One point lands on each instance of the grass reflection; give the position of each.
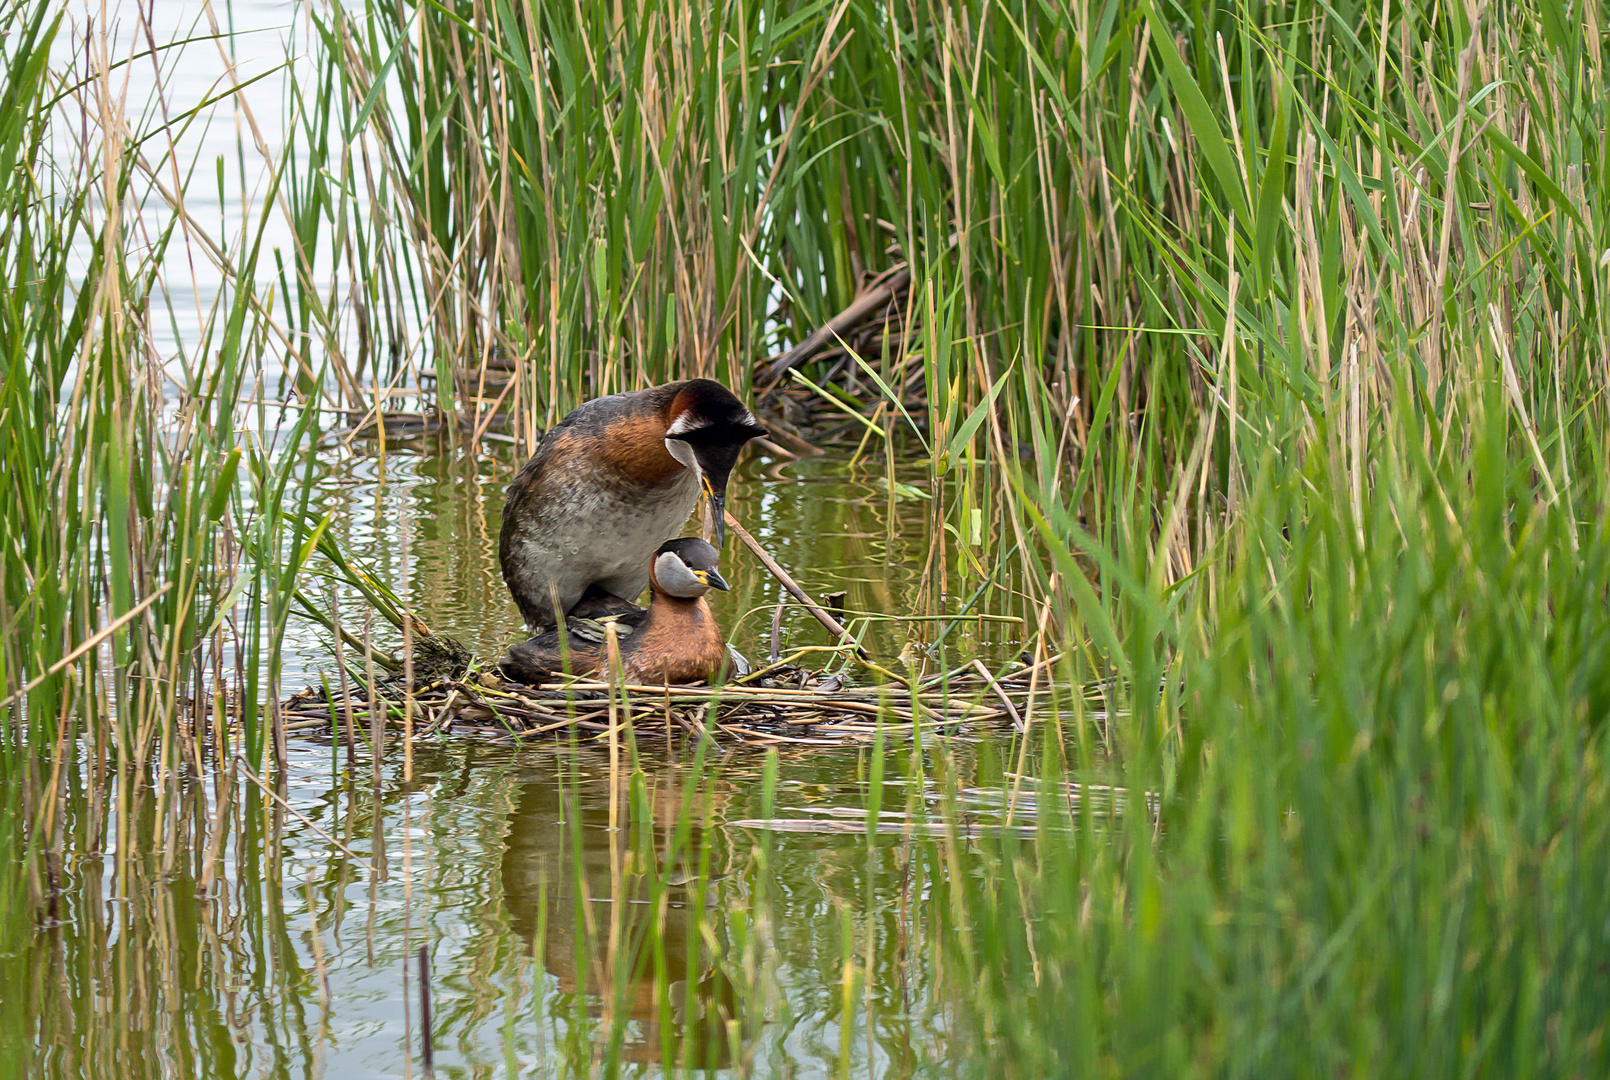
(580, 920)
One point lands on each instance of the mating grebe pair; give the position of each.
(592, 518)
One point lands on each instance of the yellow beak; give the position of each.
(712, 579)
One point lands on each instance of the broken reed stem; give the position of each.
(1017, 721)
(787, 582)
(427, 1049)
(240, 763)
(94, 639)
(877, 296)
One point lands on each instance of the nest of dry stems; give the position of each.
(784, 703)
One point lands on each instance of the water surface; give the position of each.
(580, 912)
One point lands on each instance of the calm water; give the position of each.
(504, 864)
(577, 911)
(526, 873)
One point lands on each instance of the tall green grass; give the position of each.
(1381, 846)
(146, 569)
(1258, 354)
(130, 500)
(1147, 242)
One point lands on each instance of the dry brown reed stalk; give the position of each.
(787, 581)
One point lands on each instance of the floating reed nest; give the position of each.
(440, 690)
(782, 703)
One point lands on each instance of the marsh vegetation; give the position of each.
(1241, 366)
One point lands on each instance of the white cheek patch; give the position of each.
(676, 579)
(683, 453)
(665, 571)
(684, 424)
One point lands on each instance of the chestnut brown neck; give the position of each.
(675, 606)
(635, 449)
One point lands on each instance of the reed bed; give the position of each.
(1256, 354)
(147, 558)
(1091, 263)
(146, 550)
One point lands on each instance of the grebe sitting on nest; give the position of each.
(676, 641)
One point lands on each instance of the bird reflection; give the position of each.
(602, 922)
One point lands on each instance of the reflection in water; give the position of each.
(145, 963)
(608, 898)
(580, 922)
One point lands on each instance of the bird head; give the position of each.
(686, 568)
(708, 427)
